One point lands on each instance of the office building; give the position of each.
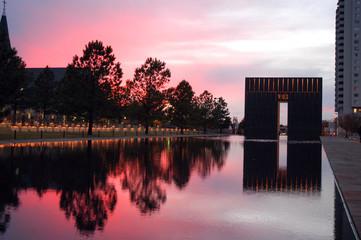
(348, 57)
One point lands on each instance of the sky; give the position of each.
(213, 44)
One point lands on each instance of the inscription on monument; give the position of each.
(282, 97)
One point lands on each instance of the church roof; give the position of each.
(59, 73)
(4, 31)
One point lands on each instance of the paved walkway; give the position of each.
(345, 160)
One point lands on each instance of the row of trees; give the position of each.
(351, 123)
(92, 89)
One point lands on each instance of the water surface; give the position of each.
(167, 188)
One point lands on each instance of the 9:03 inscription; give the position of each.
(282, 97)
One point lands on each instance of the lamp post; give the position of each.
(335, 120)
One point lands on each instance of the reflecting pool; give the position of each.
(168, 188)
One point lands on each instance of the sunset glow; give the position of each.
(214, 44)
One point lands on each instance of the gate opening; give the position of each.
(282, 134)
(282, 118)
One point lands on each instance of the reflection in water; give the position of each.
(148, 164)
(262, 171)
(8, 194)
(79, 172)
(343, 229)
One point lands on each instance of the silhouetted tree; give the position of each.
(12, 77)
(148, 91)
(181, 104)
(204, 107)
(220, 114)
(90, 83)
(43, 92)
(241, 128)
(350, 122)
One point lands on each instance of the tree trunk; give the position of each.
(14, 115)
(146, 128)
(90, 128)
(44, 112)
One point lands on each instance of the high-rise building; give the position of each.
(348, 57)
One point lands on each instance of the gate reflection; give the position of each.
(262, 172)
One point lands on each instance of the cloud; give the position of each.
(213, 44)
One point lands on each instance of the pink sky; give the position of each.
(213, 44)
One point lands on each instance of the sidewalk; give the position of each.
(344, 156)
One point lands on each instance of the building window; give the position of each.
(357, 21)
(356, 42)
(357, 35)
(355, 74)
(357, 9)
(356, 48)
(356, 68)
(356, 102)
(355, 95)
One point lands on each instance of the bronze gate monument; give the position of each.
(262, 100)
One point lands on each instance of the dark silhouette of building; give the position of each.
(59, 73)
(304, 98)
(4, 31)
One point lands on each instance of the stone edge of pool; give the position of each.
(344, 156)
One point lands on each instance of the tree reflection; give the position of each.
(77, 172)
(8, 193)
(148, 164)
(141, 174)
(80, 172)
(85, 193)
(89, 209)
